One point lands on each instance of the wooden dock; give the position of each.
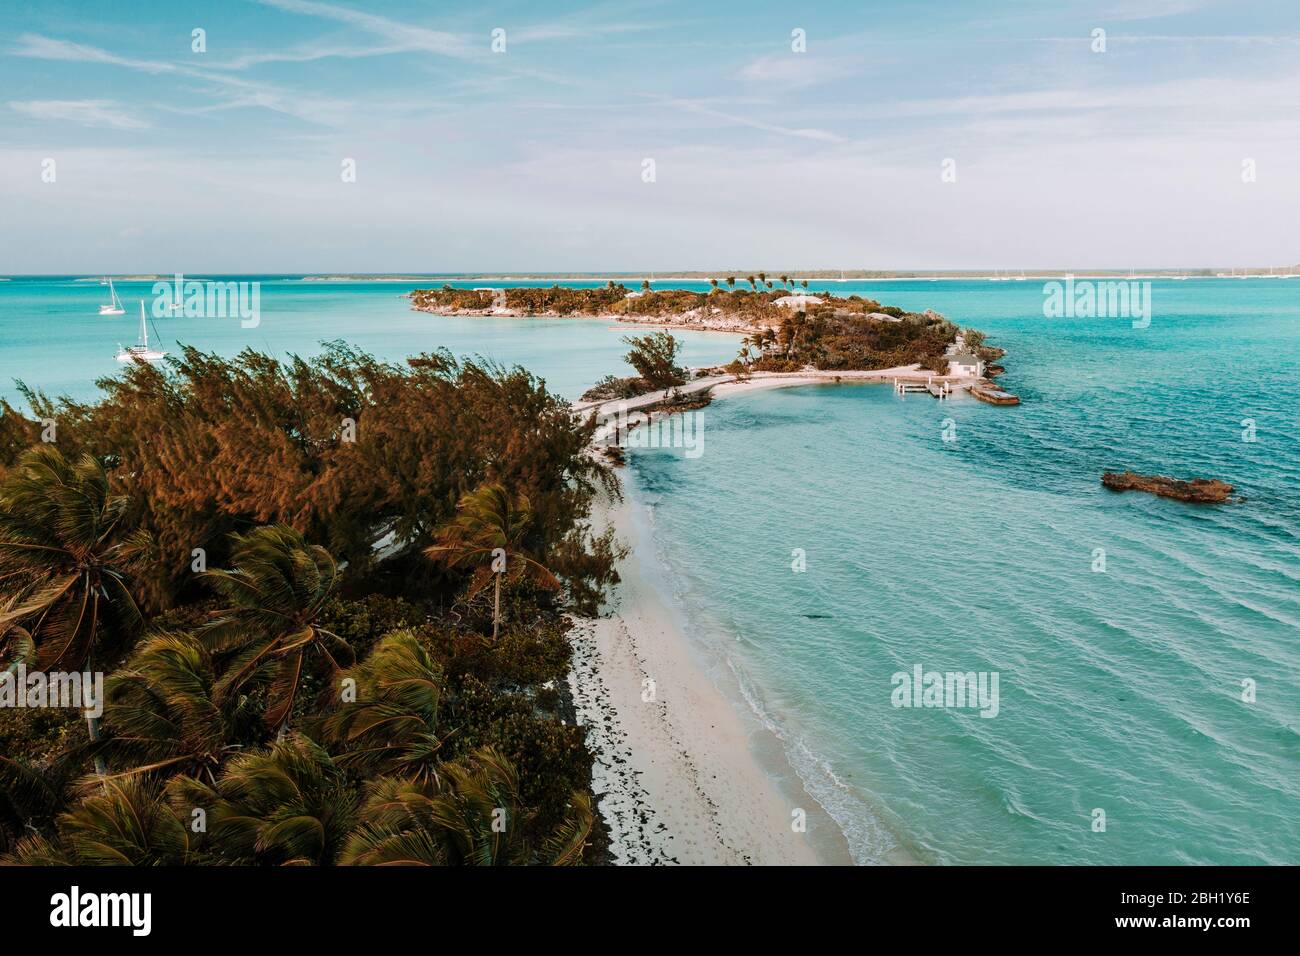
(940, 390)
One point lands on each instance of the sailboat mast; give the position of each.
(144, 329)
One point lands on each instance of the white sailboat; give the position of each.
(140, 352)
(114, 306)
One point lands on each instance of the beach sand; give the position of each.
(677, 766)
(690, 775)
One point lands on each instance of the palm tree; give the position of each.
(274, 599)
(392, 725)
(466, 815)
(762, 277)
(752, 284)
(731, 282)
(785, 280)
(714, 284)
(64, 557)
(31, 796)
(488, 535)
(786, 336)
(804, 283)
(290, 804)
(62, 551)
(16, 643)
(161, 710)
(645, 285)
(120, 823)
(754, 341)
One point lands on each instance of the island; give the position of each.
(785, 331)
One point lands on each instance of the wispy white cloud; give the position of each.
(1152, 9)
(795, 71)
(306, 54)
(405, 36)
(1227, 39)
(39, 47)
(740, 119)
(235, 91)
(101, 113)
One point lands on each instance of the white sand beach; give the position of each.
(675, 768)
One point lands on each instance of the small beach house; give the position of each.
(965, 365)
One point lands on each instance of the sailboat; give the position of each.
(114, 307)
(140, 352)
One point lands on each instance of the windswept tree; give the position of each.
(645, 285)
(468, 814)
(64, 559)
(273, 598)
(804, 283)
(161, 711)
(785, 280)
(32, 794)
(731, 282)
(654, 356)
(753, 284)
(490, 537)
(392, 724)
(64, 556)
(762, 277)
(289, 805)
(122, 822)
(714, 284)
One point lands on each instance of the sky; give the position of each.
(637, 136)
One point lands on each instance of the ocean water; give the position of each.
(1120, 690)
(52, 338)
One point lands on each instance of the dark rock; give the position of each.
(1201, 490)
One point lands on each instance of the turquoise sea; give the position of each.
(1120, 690)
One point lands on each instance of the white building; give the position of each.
(797, 301)
(965, 365)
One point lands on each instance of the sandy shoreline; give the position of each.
(675, 769)
(690, 776)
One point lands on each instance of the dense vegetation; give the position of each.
(819, 330)
(834, 341)
(330, 597)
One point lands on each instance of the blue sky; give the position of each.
(466, 159)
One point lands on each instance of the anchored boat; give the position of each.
(114, 307)
(141, 351)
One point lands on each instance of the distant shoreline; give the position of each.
(819, 275)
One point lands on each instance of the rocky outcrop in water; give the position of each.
(1200, 490)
